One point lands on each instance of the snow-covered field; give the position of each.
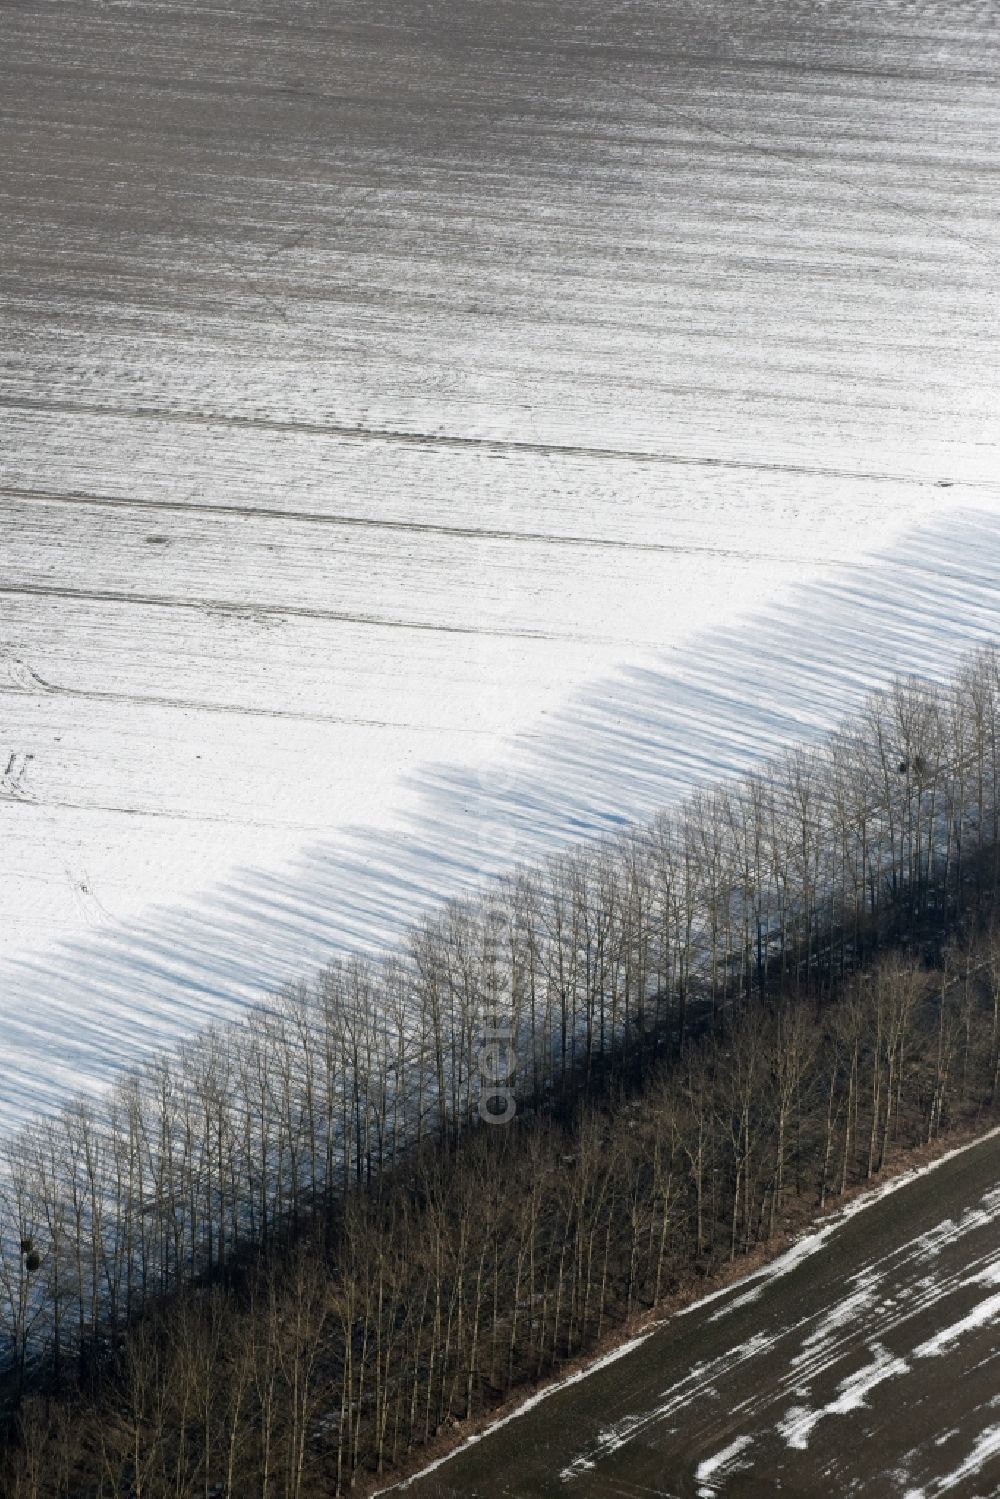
(431, 432)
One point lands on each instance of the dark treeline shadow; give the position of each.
(436, 1291)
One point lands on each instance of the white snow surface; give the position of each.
(712, 1468)
(393, 489)
(982, 1315)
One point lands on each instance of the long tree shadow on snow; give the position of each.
(617, 752)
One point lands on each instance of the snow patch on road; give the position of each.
(839, 1317)
(987, 1447)
(713, 1469)
(942, 1342)
(799, 1422)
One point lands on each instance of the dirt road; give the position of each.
(870, 1367)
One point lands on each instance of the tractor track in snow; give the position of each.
(50, 804)
(29, 683)
(252, 611)
(499, 446)
(368, 523)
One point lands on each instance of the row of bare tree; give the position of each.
(595, 967)
(470, 1273)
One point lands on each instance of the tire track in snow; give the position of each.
(497, 445)
(240, 820)
(24, 681)
(284, 611)
(12, 787)
(368, 523)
